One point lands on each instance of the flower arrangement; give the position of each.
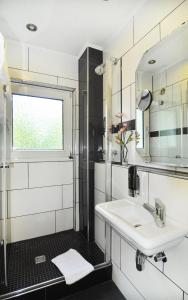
(124, 136)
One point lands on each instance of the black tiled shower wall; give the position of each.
(91, 133)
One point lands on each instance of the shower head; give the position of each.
(100, 69)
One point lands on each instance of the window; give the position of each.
(41, 121)
(37, 123)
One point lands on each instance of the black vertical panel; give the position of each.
(91, 103)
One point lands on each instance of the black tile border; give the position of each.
(169, 132)
(131, 125)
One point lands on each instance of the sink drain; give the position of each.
(137, 225)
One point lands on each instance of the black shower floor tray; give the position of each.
(22, 270)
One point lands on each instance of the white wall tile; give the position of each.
(76, 141)
(1, 207)
(100, 177)
(77, 190)
(76, 117)
(116, 77)
(176, 267)
(99, 232)
(67, 196)
(131, 59)
(77, 217)
(27, 227)
(60, 64)
(31, 76)
(77, 166)
(173, 193)
(123, 42)
(185, 297)
(133, 101)
(65, 82)
(116, 107)
(155, 146)
(17, 55)
(155, 121)
(159, 80)
(99, 197)
(174, 146)
(17, 176)
(116, 243)
(177, 73)
(119, 182)
(126, 103)
(32, 201)
(50, 173)
(163, 146)
(64, 219)
(125, 286)
(143, 196)
(175, 19)
(184, 91)
(176, 94)
(150, 282)
(152, 11)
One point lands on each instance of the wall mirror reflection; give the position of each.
(162, 101)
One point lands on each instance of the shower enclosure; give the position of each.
(25, 261)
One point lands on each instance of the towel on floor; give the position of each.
(72, 265)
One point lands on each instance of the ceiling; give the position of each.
(65, 25)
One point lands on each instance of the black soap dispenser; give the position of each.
(133, 181)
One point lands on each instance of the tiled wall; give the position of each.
(40, 194)
(151, 23)
(39, 199)
(155, 20)
(158, 281)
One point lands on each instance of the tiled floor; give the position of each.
(103, 291)
(22, 270)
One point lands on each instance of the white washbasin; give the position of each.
(137, 225)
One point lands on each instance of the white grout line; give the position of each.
(40, 213)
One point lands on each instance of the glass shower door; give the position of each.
(4, 165)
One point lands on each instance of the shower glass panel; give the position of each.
(5, 134)
(108, 145)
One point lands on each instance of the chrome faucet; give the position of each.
(158, 212)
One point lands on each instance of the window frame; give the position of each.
(45, 91)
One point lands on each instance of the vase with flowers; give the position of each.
(123, 136)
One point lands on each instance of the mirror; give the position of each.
(162, 101)
(145, 100)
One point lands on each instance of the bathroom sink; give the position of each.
(137, 225)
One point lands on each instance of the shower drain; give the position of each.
(40, 259)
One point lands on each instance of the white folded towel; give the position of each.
(72, 265)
